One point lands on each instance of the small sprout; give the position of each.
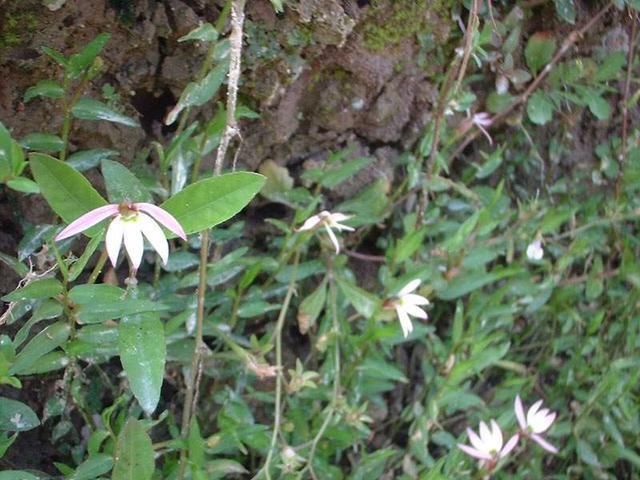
(301, 379)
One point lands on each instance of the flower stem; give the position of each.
(278, 341)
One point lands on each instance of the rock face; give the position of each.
(323, 75)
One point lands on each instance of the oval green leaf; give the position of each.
(214, 200)
(16, 416)
(90, 109)
(143, 352)
(68, 192)
(134, 453)
(51, 337)
(122, 185)
(45, 142)
(45, 288)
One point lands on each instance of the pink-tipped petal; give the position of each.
(519, 409)
(133, 242)
(510, 445)
(543, 443)
(87, 220)
(474, 453)
(113, 239)
(154, 234)
(163, 217)
(409, 287)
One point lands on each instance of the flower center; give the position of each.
(127, 211)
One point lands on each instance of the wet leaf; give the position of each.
(44, 142)
(51, 337)
(45, 288)
(142, 351)
(134, 457)
(44, 88)
(122, 185)
(539, 108)
(16, 416)
(90, 109)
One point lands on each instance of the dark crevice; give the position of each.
(153, 107)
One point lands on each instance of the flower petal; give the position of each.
(542, 423)
(87, 220)
(405, 321)
(531, 413)
(310, 223)
(415, 311)
(474, 453)
(339, 217)
(410, 287)
(339, 226)
(476, 441)
(133, 241)
(163, 217)
(510, 445)
(113, 239)
(519, 409)
(496, 435)
(155, 235)
(543, 443)
(333, 238)
(415, 299)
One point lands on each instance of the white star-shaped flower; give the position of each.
(329, 221)
(489, 445)
(130, 223)
(537, 421)
(407, 305)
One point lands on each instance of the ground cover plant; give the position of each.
(466, 308)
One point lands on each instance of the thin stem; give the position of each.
(98, 268)
(333, 298)
(278, 341)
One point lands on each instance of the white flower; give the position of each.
(129, 225)
(488, 446)
(536, 422)
(328, 221)
(535, 251)
(408, 304)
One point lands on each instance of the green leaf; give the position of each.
(196, 444)
(539, 50)
(539, 108)
(611, 67)
(122, 185)
(134, 453)
(48, 362)
(78, 267)
(222, 468)
(93, 467)
(587, 454)
(24, 185)
(90, 109)
(381, 370)
(92, 294)
(199, 93)
(335, 176)
(18, 475)
(566, 10)
(467, 282)
(68, 193)
(45, 311)
(80, 61)
(51, 337)
(45, 288)
(45, 142)
(203, 33)
(108, 310)
(311, 307)
(142, 351)
(409, 244)
(56, 56)
(598, 106)
(211, 201)
(364, 302)
(6, 145)
(86, 159)
(16, 416)
(44, 88)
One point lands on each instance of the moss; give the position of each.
(16, 25)
(388, 23)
